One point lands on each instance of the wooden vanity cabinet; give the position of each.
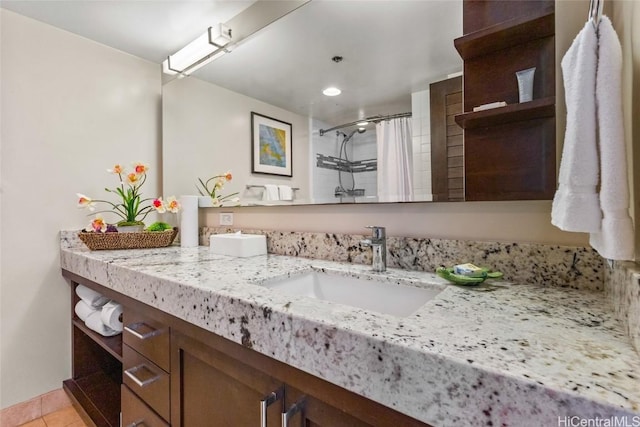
(221, 383)
(195, 378)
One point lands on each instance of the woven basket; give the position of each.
(139, 240)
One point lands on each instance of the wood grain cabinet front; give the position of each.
(136, 414)
(147, 380)
(222, 383)
(148, 337)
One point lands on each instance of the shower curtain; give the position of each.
(395, 160)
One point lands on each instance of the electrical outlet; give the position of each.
(226, 218)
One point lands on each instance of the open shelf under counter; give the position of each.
(536, 109)
(506, 34)
(113, 345)
(98, 395)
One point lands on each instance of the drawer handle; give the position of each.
(132, 329)
(141, 383)
(293, 410)
(136, 424)
(272, 397)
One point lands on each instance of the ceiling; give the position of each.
(390, 48)
(149, 29)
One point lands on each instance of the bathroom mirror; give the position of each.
(383, 55)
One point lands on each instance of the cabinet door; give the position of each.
(136, 413)
(211, 389)
(447, 149)
(310, 411)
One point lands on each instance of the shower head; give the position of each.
(359, 130)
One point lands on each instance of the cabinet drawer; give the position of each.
(147, 380)
(136, 413)
(148, 337)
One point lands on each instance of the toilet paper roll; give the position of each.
(110, 315)
(91, 297)
(84, 310)
(94, 322)
(189, 221)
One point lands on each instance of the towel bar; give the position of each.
(249, 186)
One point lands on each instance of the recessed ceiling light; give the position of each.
(362, 123)
(332, 91)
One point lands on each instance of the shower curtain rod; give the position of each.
(373, 119)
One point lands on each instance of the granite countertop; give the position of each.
(514, 355)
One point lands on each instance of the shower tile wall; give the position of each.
(421, 123)
(365, 147)
(323, 181)
(361, 147)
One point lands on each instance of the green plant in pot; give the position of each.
(130, 206)
(213, 187)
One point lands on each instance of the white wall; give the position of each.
(71, 108)
(207, 131)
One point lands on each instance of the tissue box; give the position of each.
(240, 245)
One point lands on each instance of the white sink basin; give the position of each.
(384, 297)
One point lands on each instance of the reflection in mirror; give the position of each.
(383, 55)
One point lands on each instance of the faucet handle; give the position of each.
(378, 232)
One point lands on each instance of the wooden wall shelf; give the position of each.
(506, 34)
(509, 152)
(536, 109)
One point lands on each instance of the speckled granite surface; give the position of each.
(517, 355)
(622, 286)
(544, 265)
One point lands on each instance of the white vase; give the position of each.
(189, 232)
(130, 228)
(205, 202)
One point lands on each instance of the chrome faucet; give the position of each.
(378, 243)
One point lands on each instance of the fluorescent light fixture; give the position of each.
(362, 123)
(201, 51)
(332, 91)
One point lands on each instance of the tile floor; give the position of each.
(65, 417)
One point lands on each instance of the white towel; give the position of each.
(615, 240)
(285, 192)
(94, 322)
(270, 192)
(576, 206)
(84, 310)
(91, 297)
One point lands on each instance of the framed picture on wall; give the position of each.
(270, 146)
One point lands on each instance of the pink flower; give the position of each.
(85, 202)
(133, 179)
(140, 168)
(172, 205)
(159, 206)
(130, 206)
(117, 169)
(98, 225)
